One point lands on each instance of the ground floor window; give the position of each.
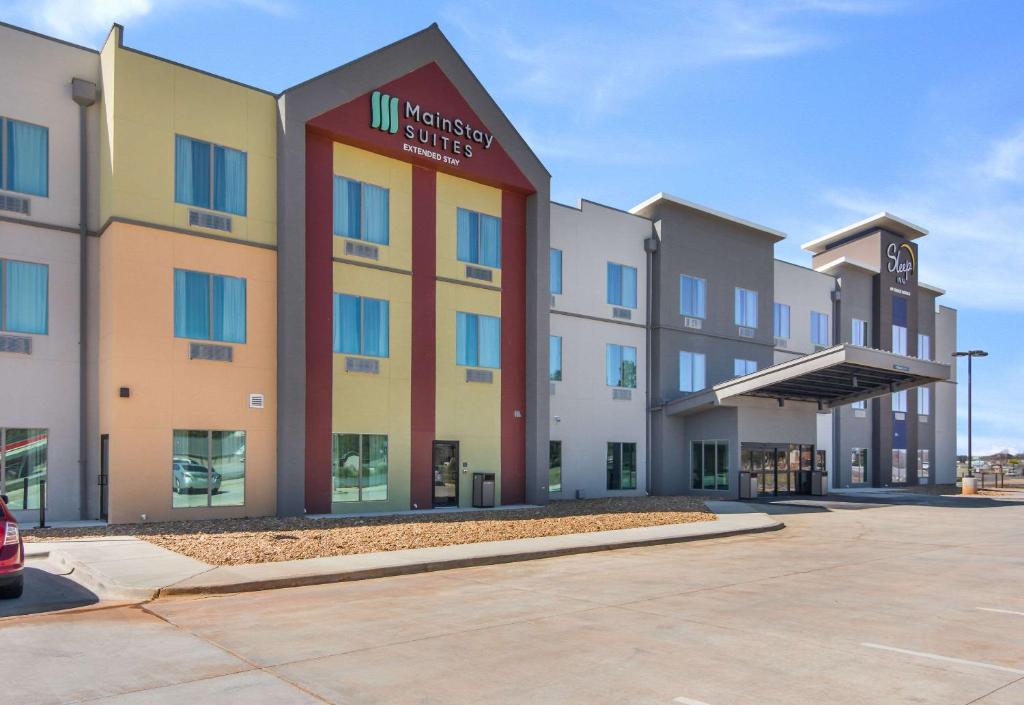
(360, 463)
(924, 465)
(23, 463)
(710, 465)
(555, 467)
(858, 466)
(899, 465)
(208, 469)
(622, 466)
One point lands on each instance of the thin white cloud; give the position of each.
(1006, 159)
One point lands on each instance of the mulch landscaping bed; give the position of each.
(235, 541)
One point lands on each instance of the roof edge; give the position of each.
(882, 219)
(676, 200)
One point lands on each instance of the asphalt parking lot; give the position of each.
(914, 602)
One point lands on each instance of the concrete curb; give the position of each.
(232, 579)
(99, 583)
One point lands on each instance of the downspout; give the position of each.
(84, 93)
(650, 247)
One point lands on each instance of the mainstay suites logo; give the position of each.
(428, 134)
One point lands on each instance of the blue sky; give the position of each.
(803, 115)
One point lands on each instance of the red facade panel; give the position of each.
(513, 348)
(424, 348)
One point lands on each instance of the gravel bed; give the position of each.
(951, 489)
(235, 541)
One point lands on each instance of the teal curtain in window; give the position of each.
(555, 358)
(614, 284)
(490, 341)
(466, 339)
(229, 309)
(25, 297)
(490, 241)
(347, 207)
(191, 172)
(556, 271)
(375, 213)
(347, 324)
(229, 180)
(375, 327)
(613, 365)
(467, 235)
(28, 158)
(629, 287)
(191, 304)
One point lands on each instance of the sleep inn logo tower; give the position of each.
(455, 137)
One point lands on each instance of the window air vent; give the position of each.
(209, 351)
(923, 418)
(745, 332)
(15, 344)
(362, 364)
(478, 273)
(691, 322)
(256, 401)
(900, 416)
(860, 413)
(15, 204)
(623, 394)
(485, 376)
(212, 221)
(553, 387)
(782, 342)
(361, 249)
(624, 313)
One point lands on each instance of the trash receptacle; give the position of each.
(819, 483)
(483, 489)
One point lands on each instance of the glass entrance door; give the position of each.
(446, 473)
(780, 468)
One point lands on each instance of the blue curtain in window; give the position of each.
(614, 284)
(25, 296)
(229, 180)
(490, 341)
(490, 241)
(750, 309)
(555, 266)
(229, 309)
(629, 287)
(191, 304)
(347, 324)
(555, 358)
(347, 207)
(466, 343)
(375, 327)
(191, 172)
(28, 158)
(467, 236)
(613, 365)
(375, 213)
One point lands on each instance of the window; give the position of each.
(555, 467)
(924, 464)
(781, 320)
(743, 367)
(556, 271)
(361, 325)
(209, 175)
(477, 340)
(691, 371)
(692, 296)
(924, 346)
(622, 466)
(899, 340)
(24, 297)
(746, 308)
(899, 465)
(555, 358)
(899, 326)
(858, 465)
(819, 328)
(924, 401)
(621, 285)
(360, 468)
(620, 366)
(361, 211)
(478, 238)
(208, 469)
(859, 334)
(709, 465)
(899, 401)
(861, 405)
(209, 307)
(27, 156)
(23, 465)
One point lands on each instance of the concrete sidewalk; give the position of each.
(126, 568)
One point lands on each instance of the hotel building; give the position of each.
(356, 295)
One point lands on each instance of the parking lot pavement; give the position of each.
(47, 588)
(851, 603)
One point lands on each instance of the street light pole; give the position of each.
(970, 355)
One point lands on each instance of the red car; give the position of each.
(12, 554)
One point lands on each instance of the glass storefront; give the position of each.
(779, 468)
(23, 466)
(208, 469)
